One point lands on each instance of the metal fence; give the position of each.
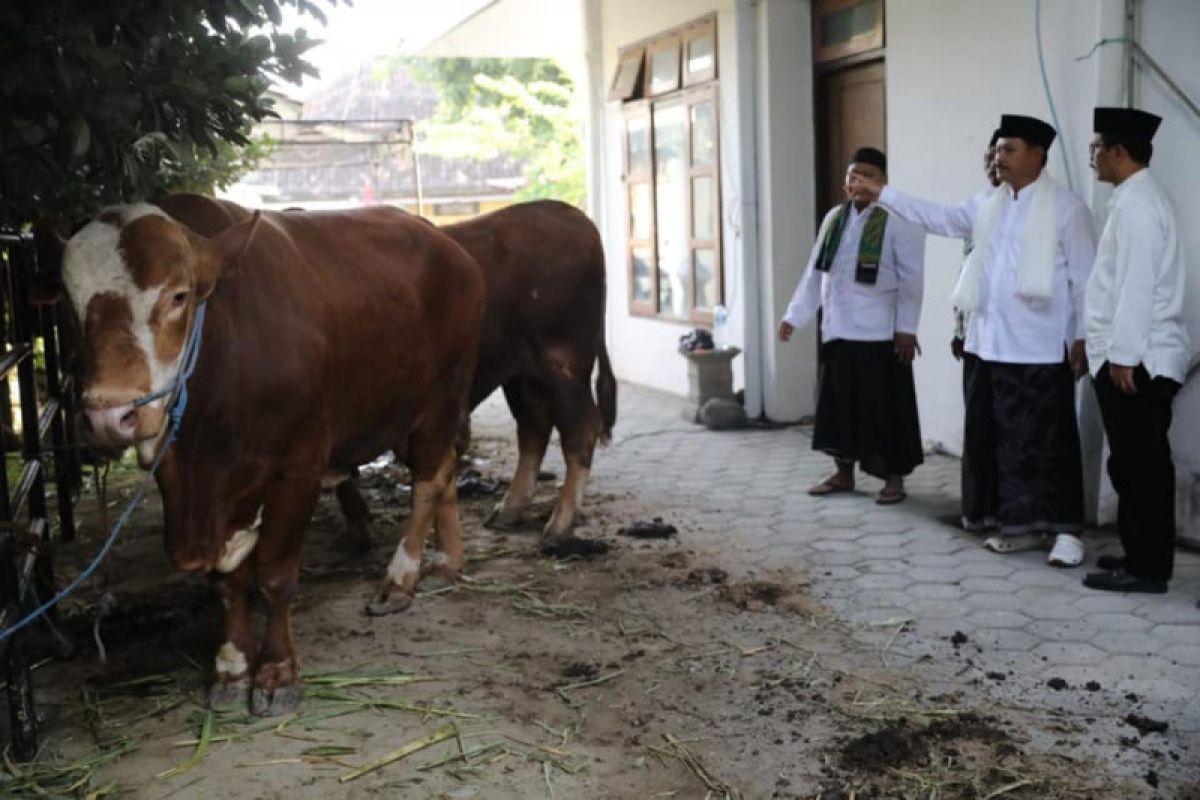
(32, 349)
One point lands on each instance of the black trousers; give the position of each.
(867, 408)
(1021, 470)
(1141, 469)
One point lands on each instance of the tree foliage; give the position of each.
(112, 100)
(520, 107)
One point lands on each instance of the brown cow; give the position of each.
(543, 330)
(338, 336)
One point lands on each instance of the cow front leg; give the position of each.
(447, 560)
(277, 687)
(530, 406)
(231, 679)
(566, 508)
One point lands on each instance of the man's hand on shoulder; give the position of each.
(785, 331)
(907, 347)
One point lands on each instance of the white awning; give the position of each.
(515, 29)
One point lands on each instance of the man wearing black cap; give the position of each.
(1138, 348)
(866, 273)
(1023, 288)
(960, 318)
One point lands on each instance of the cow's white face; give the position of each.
(133, 275)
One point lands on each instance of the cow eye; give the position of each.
(179, 298)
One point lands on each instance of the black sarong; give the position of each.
(1021, 466)
(867, 408)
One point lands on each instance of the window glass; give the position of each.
(707, 291)
(641, 211)
(704, 134)
(674, 294)
(638, 146)
(702, 207)
(839, 27)
(700, 55)
(664, 69)
(643, 275)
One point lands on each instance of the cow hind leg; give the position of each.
(530, 404)
(277, 688)
(356, 539)
(447, 561)
(231, 679)
(432, 475)
(577, 420)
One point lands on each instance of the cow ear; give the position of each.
(222, 252)
(46, 287)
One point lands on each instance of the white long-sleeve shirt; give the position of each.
(1135, 296)
(858, 311)
(1006, 327)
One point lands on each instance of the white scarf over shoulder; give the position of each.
(1039, 245)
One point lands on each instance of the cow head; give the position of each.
(135, 277)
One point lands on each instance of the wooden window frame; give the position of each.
(856, 45)
(640, 307)
(635, 54)
(702, 87)
(692, 32)
(671, 41)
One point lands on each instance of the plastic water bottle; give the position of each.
(720, 328)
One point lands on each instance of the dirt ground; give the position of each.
(656, 670)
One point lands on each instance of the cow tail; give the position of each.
(606, 393)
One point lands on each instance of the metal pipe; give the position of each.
(1141, 54)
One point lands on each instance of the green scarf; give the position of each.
(870, 246)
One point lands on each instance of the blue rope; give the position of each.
(1062, 147)
(175, 416)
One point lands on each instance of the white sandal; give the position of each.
(1068, 551)
(1015, 544)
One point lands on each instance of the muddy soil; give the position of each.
(656, 669)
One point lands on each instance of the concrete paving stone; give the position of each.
(1119, 623)
(986, 585)
(880, 539)
(940, 561)
(1185, 654)
(1056, 605)
(1064, 631)
(934, 591)
(984, 569)
(1077, 653)
(880, 597)
(998, 618)
(836, 523)
(1127, 667)
(992, 601)
(930, 575)
(881, 581)
(1167, 694)
(875, 614)
(1043, 576)
(923, 544)
(1179, 634)
(837, 574)
(896, 526)
(836, 546)
(1100, 602)
(1010, 639)
(935, 609)
(1171, 611)
(836, 558)
(1133, 643)
(885, 567)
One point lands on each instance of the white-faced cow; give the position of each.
(543, 331)
(330, 337)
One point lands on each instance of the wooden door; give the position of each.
(851, 113)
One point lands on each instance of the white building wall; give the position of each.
(643, 350)
(1168, 30)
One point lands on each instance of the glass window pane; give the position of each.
(625, 83)
(670, 191)
(707, 291)
(704, 134)
(700, 54)
(641, 211)
(844, 24)
(638, 145)
(643, 275)
(702, 207)
(664, 70)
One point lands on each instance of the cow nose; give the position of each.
(113, 425)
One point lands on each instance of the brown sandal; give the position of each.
(889, 497)
(827, 486)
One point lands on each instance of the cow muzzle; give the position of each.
(121, 425)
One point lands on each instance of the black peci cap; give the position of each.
(1131, 122)
(869, 155)
(1031, 129)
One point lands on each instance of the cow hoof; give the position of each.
(389, 602)
(227, 694)
(498, 522)
(276, 702)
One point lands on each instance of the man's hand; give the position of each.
(1122, 378)
(907, 347)
(956, 348)
(785, 331)
(1078, 359)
